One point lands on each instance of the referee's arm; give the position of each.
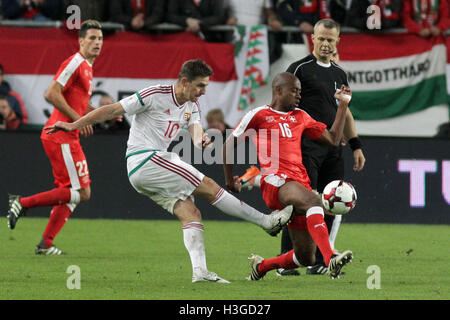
(352, 137)
(349, 128)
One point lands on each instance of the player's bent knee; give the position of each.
(315, 201)
(209, 183)
(187, 212)
(196, 215)
(308, 200)
(301, 204)
(191, 216)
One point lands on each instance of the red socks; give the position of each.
(49, 198)
(285, 261)
(58, 218)
(318, 230)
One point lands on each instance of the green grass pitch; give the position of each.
(131, 259)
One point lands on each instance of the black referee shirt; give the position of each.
(319, 83)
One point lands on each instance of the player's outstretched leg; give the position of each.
(229, 204)
(261, 266)
(271, 223)
(18, 204)
(286, 246)
(15, 210)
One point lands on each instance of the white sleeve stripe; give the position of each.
(296, 69)
(65, 75)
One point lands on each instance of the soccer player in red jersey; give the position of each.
(277, 131)
(69, 92)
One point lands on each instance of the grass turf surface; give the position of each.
(135, 259)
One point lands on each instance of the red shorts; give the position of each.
(270, 185)
(69, 164)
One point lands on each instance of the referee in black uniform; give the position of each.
(320, 77)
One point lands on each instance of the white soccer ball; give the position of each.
(339, 197)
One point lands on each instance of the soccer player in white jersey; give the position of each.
(160, 112)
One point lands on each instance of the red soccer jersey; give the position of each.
(277, 136)
(75, 74)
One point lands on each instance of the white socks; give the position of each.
(294, 258)
(75, 197)
(195, 245)
(314, 210)
(257, 182)
(232, 206)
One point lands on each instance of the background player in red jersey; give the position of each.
(69, 93)
(284, 179)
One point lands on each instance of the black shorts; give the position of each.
(323, 163)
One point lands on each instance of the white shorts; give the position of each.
(163, 177)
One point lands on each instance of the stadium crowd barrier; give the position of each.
(406, 180)
(162, 27)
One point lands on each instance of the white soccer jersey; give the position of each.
(158, 117)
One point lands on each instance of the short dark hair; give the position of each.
(3, 97)
(329, 24)
(192, 69)
(88, 24)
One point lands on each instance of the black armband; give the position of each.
(355, 143)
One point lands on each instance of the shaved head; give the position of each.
(282, 79)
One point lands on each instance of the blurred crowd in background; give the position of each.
(426, 18)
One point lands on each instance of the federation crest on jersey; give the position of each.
(270, 119)
(187, 115)
(292, 119)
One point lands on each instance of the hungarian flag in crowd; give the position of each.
(393, 74)
(252, 61)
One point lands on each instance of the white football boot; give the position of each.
(205, 275)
